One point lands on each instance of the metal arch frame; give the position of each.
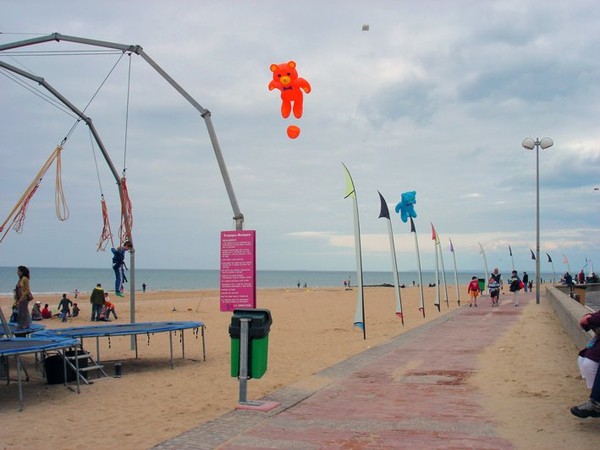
(205, 113)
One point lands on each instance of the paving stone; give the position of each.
(411, 392)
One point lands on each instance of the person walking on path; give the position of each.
(587, 357)
(473, 291)
(498, 277)
(494, 287)
(515, 286)
(97, 301)
(568, 280)
(22, 298)
(525, 281)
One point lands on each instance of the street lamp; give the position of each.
(530, 144)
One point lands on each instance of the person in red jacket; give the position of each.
(591, 353)
(473, 291)
(46, 313)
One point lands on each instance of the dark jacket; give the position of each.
(515, 281)
(118, 256)
(593, 323)
(97, 296)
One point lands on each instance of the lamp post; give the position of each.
(530, 144)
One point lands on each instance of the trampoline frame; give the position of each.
(129, 329)
(55, 344)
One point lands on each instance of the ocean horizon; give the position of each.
(47, 280)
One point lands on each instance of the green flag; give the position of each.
(350, 190)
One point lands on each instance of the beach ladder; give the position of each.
(4, 367)
(82, 363)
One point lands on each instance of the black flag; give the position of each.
(384, 211)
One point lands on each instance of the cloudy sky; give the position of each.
(435, 97)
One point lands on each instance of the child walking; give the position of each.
(473, 292)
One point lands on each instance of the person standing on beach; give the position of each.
(473, 291)
(64, 306)
(590, 355)
(515, 286)
(97, 301)
(23, 297)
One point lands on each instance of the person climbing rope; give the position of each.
(119, 267)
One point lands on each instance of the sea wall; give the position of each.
(569, 311)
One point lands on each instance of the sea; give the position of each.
(48, 280)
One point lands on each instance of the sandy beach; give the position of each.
(529, 378)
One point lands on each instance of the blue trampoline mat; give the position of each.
(32, 328)
(124, 329)
(18, 346)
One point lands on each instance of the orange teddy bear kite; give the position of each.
(285, 78)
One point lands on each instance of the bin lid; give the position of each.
(258, 326)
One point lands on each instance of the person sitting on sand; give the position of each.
(75, 310)
(46, 313)
(36, 312)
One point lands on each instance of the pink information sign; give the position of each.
(238, 269)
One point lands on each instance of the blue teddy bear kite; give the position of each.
(405, 207)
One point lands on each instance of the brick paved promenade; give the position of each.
(409, 393)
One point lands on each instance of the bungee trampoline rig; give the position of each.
(238, 217)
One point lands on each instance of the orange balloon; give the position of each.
(293, 131)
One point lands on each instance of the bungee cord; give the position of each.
(19, 212)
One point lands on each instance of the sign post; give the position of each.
(244, 331)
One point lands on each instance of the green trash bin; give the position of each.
(258, 341)
(481, 282)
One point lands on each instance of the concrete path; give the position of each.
(409, 393)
